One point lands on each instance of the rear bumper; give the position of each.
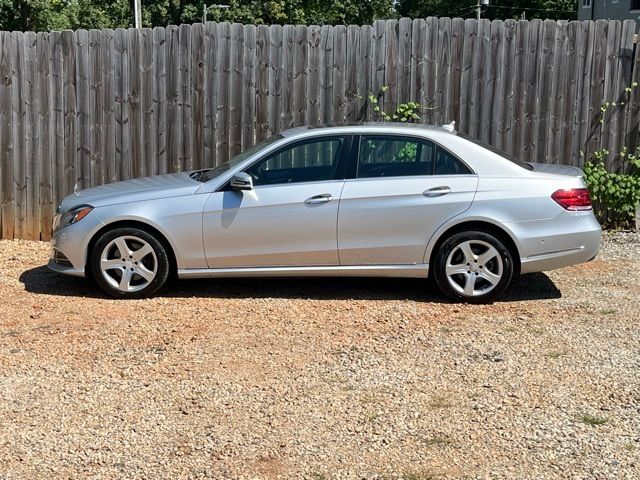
(558, 243)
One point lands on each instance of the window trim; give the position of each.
(586, 3)
(341, 167)
(356, 155)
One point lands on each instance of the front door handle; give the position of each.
(318, 199)
(437, 191)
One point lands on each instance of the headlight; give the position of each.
(72, 216)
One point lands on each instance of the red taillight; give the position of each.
(574, 199)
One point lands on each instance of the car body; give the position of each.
(374, 199)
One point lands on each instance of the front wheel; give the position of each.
(473, 267)
(129, 263)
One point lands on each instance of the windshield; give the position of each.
(210, 174)
(493, 149)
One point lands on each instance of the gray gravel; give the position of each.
(358, 378)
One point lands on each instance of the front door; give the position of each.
(288, 219)
(404, 189)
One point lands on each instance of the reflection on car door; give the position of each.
(404, 189)
(290, 216)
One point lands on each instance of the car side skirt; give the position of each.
(413, 271)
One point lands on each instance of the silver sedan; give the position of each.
(391, 200)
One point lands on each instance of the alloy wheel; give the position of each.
(474, 268)
(128, 263)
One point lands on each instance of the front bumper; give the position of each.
(69, 246)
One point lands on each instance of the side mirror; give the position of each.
(241, 181)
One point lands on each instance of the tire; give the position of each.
(478, 275)
(129, 263)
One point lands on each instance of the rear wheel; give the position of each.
(473, 267)
(129, 263)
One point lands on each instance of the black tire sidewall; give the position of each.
(452, 242)
(161, 257)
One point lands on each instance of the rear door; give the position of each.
(405, 188)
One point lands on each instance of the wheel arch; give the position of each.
(150, 229)
(502, 233)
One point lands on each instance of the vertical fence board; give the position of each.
(235, 88)
(146, 103)
(45, 152)
(7, 210)
(32, 136)
(249, 84)
(313, 75)
(18, 123)
(263, 69)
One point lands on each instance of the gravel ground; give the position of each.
(361, 378)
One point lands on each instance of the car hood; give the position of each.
(137, 190)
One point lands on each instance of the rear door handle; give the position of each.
(318, 199)
(437, 191)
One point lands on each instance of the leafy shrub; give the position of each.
(615, 195)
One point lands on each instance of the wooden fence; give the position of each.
(97, 106)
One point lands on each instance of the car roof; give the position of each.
(383, 127)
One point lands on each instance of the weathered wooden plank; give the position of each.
(184, 98)
(339, 67)
(622, 63)
(379, 54)
(160, 99)
(508, 75)
(236, 89)
(134, 100)
(612, 92)
(313, 75)
(70, 112)
(444, 71)
(57, 73)
(249, 86)
(455, 69)
(121, 85)
(557, 97)
(108, 138)
(263, 69)
(32, 136)
(584, 46)
(286, 85)
(403, 73)
(211, 89)
(484, 82)
(364, 82)
(275, 78)
(632, 121)
(83, 119)
(173, 115)
(572, 60)
(326, 81)
(146, 102)
(466, 77)
(496, 82)
(18, 122)
(390, 99)
(532, 73)
(96, 106)
(198, 93)
(596, 97)
(46, 128)
(7, 207)
(520, 87)
(430, 63)
(352, 94)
